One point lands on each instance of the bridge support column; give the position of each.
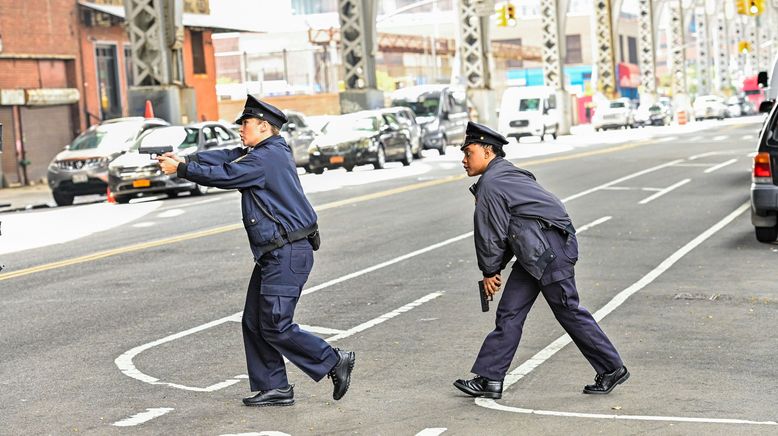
(474, 50)
(358, 48)
(553, 13)
(647, 53)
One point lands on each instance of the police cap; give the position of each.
(258, 109)
(480, 134)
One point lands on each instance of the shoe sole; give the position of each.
(478, 394)
(618, 382)
(280, 404)
(352, 360)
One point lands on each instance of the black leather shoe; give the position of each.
(273, 397)
(480, 387)
(341, 373)
(604, 383)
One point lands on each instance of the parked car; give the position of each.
(299, 136)
(734, 108)
(135, 174)
(82, 168)
(653, 115)
(618, 114)
(764, 180)
(709, 106)
(441, 110)
(318, 122)
(360, 138)
(529, 111)
(407, 119)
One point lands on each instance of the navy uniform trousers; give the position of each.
(269, 332)
(520, 293)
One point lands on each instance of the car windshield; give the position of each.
(189, 141)
(107, 135)
(351, 124)
(426, 105)
(654, 109)
(529, 104)
(617, 105)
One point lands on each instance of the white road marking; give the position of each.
(385, 317)
(144, 224)
(140, 418)
(594, 223)
(667, 139)
(546, 353)
(694, 139)
(431, 431)
(262, 433)
(748, 137)
(719, 166)
(199, 202)
(628, 188)
(621, 179)
(664, 191)
(715, 153)
(320, 330)
(171, 213)
(692, 165)
(720, 137)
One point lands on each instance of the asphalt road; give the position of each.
(129, 324)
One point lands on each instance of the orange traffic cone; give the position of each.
(110, 197)
(149, 110)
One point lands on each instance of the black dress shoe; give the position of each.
(604, 383)
(341, 373)
(480, 387)
(273, 397)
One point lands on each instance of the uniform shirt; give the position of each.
(268, 170)
(506, 194)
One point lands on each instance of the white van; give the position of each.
(529, 111)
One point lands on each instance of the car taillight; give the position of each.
(762, 173)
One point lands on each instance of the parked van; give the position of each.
(529, 111)
(441, 110)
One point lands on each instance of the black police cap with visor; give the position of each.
(480, 134)
(255, 108)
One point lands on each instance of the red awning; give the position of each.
(629, 75)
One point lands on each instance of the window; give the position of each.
(208, 133)
(457, 102)
(108, 81)
(632, 46)
(198, 53)
(573, 54)
(222, 134)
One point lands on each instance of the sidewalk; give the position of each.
(25, 197)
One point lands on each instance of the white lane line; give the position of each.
(320, 330)
(144, 224)
(594, 223)
(196, 203)
(629, 188)
(668, 139)
(431, 431)
(694, 139)
(619, 180)
(546, 353)
(664, 191)
(387, 263)
(716, 153)
(262, 433)
(385, 317)
(693, 165)
(140, 418)
(719, 166)
(720, 137)
(748, 137)
(171, 213)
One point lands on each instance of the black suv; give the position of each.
(764, 186)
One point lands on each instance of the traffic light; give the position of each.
(741, 7)
(743, 47)
(511, 13)
(756, 7)
(502, 16)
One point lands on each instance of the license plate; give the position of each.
(80, 178)
(337, 160)
(142, 183)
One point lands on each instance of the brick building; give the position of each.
(66, 64)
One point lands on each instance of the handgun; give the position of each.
(485, 299)
(155, 151)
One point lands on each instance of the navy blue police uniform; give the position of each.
(515, 216)
(278, 220)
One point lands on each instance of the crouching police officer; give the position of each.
(281, 228)
(514, 215)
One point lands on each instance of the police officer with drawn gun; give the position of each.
(282, 232)
(515, 216)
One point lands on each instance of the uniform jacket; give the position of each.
(511, 214)
(269, 172)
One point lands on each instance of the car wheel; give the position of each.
(556, 132)
(318, 170)
(408, 157)
(380, 162)
(766, 234)
(122, 199)
(199, 190)
(63, 199)
(172, 194)
(543, 134)
(307, 168)
(349, 168)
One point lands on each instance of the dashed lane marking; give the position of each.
(664, 191)
(432, 431)
(543, 355)
(140, 418)
(720, 137)
(721, 165)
